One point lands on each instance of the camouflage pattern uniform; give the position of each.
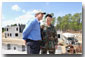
(49, 39)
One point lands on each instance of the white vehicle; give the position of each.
(69, 38)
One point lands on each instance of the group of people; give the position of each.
(74, 49)
(38, 37)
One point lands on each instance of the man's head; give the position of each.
(48, 18)
(39, 15)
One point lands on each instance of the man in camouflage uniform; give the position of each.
(49, 36)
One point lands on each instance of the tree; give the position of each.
(70, 22)
(14, 25)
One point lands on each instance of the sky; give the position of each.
(21, 12)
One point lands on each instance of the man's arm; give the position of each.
(27, 29)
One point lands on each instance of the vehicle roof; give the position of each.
(68, 35)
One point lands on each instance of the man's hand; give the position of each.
(56, 46)
(25, 42)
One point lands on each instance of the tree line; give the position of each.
(70, 22)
